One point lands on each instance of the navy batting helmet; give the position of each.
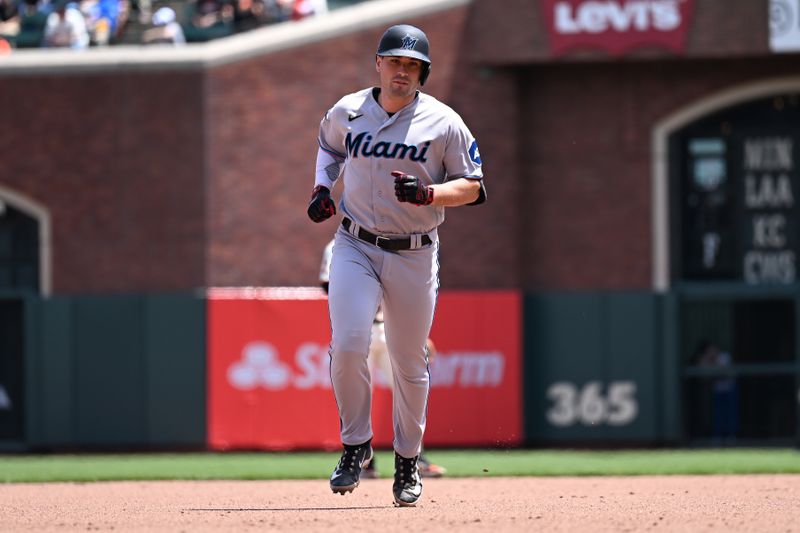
(407, 41)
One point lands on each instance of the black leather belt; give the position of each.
(385, 243)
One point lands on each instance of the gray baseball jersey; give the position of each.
(426, 139)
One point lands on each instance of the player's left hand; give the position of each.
(410, 189)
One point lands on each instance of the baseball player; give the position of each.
(378, 359)
(403, 157)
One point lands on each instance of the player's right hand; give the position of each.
(321, 206)
(410, 189)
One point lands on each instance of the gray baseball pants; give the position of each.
(406, 282)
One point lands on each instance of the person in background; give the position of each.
(724, 389)
(43, 6)
(144, 8)
(32, 21)
(9, 17)
(308, 8)
(207, 13)
(102, 19)
(66, 27)
(30, 8)
(165, 30)
(249, 14)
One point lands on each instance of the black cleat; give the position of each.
(407, 487)
(354, 458)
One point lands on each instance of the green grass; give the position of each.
(478, 463)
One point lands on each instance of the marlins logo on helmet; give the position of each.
(409, 42)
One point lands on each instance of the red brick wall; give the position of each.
(480, 245)
(587, 163)
(116, 160)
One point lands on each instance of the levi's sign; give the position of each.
(617, 26)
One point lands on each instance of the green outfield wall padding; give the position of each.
(51, 394)
(176, 362)
(669, 405)
(116, 371)
(592, 365)
(109, 373)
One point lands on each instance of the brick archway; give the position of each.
(41, 216)
(661, 132)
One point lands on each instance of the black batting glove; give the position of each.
(321, 206)
(410, 189)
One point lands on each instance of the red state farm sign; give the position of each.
(476, 378)
(617, 26)
(268, 384)
(269, 381)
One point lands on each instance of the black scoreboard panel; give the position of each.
(708, 210)
(735, 200)
(767, 178)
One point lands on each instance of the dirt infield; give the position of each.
(673, 503)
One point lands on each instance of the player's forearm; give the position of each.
(327, 169)
(461, 191)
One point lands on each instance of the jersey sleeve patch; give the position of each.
(474, 154)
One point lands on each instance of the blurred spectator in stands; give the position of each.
(208, 13)
(103, 19)
(32, 20)
(5, 47)
(281, 10)
(145, 9)
(166, 30)
(44, 6)
(250, 14)
(29, 8)
(66, 27)
(306, 8)
(276, 10)
(9, 17)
